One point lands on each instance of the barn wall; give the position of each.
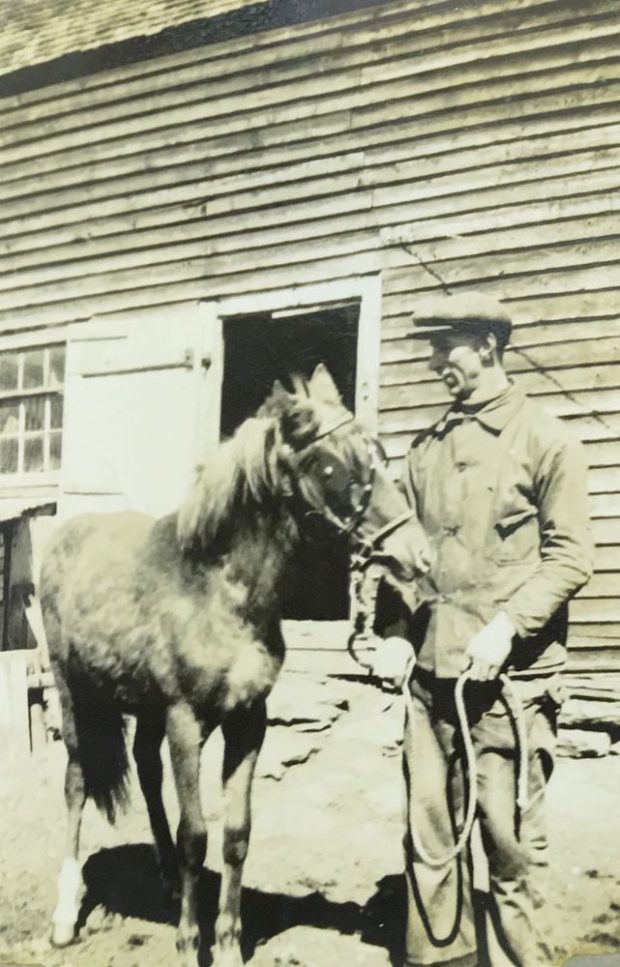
(478, 144)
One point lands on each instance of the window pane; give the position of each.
(8, 455)
(35, 413)
(57, 366)
(9, 419)
(33, 454)
(8, 371)
(56, 412)
(33, 368)
(55, 450)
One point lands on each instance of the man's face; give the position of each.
(457, 361)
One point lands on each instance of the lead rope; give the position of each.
(470, 758)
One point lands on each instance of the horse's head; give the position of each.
(332, 468)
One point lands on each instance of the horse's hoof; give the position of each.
(62, 934)
(227, 957)
(188, 946)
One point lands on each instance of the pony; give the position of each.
(176, 621)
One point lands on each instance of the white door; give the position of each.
(141, 405)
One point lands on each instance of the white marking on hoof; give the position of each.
(63, 933)
(68, 906)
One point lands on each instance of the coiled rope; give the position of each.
(470, 758)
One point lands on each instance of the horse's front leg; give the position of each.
(185, 739)
(244, 732)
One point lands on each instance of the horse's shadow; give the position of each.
(124, 880)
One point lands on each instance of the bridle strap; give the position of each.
(392, 526)
(330, 428)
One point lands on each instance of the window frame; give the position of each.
(34, 478)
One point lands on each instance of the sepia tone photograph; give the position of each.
(310, 483)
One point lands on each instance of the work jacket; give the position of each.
(501, 492)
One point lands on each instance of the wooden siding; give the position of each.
(479, 145)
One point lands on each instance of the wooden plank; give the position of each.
(607, 635)
(242, 191)
(64, 175)
(395, 101)
(380, 23)
(597, 227)
(604, 610)
(257, 94)
(406, 101)
(603, 453)
(244, 152)
(607, 505)
(603, 584)
(14, 719)
(163, 294)
(607, 532)
(541, 266)
(119, 273)
(464, 39)
(177, 219)
(602, 480)
(606, 557)
(586, 660)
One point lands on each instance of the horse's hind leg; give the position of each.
(70, 879)
(150, 730)
(185, 738)
(244, 732)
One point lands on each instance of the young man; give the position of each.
(500, 487)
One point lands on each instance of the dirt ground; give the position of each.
(323, 878)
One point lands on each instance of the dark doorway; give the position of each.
(258, 349)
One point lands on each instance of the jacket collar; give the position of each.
(493, 415)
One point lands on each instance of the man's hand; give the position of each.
(392, 659)
(490, 647)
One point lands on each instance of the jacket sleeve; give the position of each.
(566, 549)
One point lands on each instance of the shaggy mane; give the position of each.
(239, 471)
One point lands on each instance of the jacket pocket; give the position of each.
(518, 537)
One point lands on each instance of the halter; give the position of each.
(365, 546)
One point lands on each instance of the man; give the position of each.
(500, 487)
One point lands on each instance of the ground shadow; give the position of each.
(124, 880)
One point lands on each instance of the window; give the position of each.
(31, 403)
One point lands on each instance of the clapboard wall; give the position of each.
(476, 144)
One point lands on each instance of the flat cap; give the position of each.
(466, 311)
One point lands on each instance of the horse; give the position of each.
(176, 621)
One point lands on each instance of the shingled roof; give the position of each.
(33, 32)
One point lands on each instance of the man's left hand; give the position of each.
(490, 647)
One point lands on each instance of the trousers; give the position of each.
(444, 925)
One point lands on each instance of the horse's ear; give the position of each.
(322, 386)
(278, 392)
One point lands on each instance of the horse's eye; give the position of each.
(328, 471)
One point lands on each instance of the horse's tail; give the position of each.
(102, 752)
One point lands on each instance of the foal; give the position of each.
(176, 621)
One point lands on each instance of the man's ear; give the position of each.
(488, 348)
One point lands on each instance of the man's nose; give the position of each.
(437, 361)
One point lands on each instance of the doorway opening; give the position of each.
(258, 349)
